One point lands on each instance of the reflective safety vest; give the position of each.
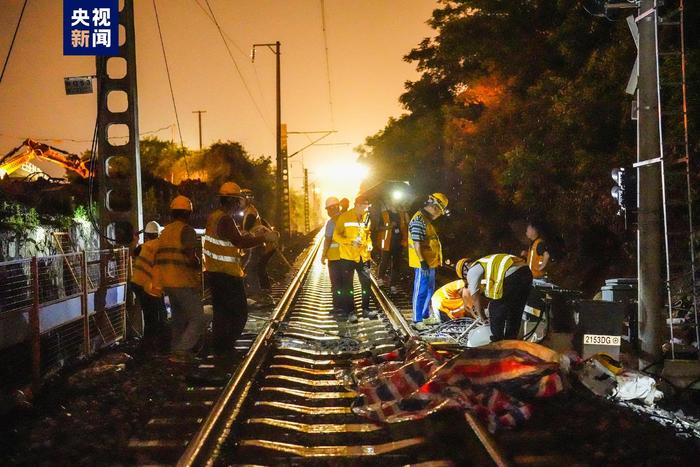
(144, 271)
(495, 268)
(431, 248)
(448, 299)
(333, 253)
(251, 210)
(388, 231)
(365, 254)
(348, 227)
(173, 267)
(534, 260)
(220, 255)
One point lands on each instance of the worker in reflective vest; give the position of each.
(223, 269)
(394, 240)
(178, 270)
(503, 279)
(425, 254)
(537, 255)
(452, 301)
(255, 267)
(148, 291)
(331, 251)
(351, 233)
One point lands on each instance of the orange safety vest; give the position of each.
(173, 267)
(220, 255)
(448, 299)
(534, 260)
(144, 271)
(388, 229)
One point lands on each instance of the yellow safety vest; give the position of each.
(388, 230)
(534, 260)
(365, 254)
(144, 271)
(495, 268)
(173, 267)
(431, 248)
(348, 227)
(251, 211)
(333, 253)
(220, 255)
(448, 299)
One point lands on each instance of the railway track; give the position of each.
(284, 405)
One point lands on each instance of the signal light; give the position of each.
(625, 189)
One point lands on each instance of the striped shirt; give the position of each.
(417, 229)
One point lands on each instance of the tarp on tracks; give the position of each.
(495, 382)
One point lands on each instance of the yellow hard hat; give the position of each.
(181, 203)
(459, 267)
(331, 201)
(440, 200)
(230, 189)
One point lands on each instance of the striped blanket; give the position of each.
(494, 382)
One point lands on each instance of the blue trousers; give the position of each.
(423, 288)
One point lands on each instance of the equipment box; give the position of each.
(599, 327)
(624, 290)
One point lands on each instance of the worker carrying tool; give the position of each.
(538, 254)
(223, 268)
(257, 280)
(394, 240)
(425, 254)
(148, 291)
(178, 270)
(331, 251)
(351, 233)
(504, 280)
(452, 301)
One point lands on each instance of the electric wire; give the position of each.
(172, 93)
(328, 65)
(235, 63)
(14, 36)
(73, 140)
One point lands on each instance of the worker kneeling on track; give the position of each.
(452, 301)
(148, 291)
(223, 269)
(504, 280)
(178, 270)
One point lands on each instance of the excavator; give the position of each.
(30, 149)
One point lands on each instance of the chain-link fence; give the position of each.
(57, 309)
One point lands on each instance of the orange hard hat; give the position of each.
(230, 189)
(181, 203)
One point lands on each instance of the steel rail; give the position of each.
(401, 325)
(217, 424)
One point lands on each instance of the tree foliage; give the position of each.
(519, 112)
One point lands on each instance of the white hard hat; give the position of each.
(479, 336)
(331, 201)
(152, 228)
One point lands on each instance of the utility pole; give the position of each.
(307, 220)
(199, 115)
(282, 172)
(649, 244)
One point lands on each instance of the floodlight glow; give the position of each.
(397, 195)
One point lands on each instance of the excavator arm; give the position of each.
(14, 160)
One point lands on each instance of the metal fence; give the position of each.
(57, 309)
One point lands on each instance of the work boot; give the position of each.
(420, 326)
(370, 314)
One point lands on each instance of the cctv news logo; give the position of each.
(91, 27)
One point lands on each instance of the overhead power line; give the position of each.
(170, 83)
(328, 66)
(235, 63)
(14, 36)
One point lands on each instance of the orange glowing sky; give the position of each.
(366, 42)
